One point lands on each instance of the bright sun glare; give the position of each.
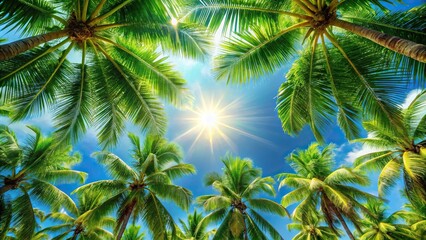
(208, 119)
(174, 22)
(212, 121)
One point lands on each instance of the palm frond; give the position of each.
(116, 167)
(347, 176)
(213, 202)
(23, 215)
(73, 112)
(265, 225)
(51, 195)
(179, 170)
(212, 13)
(152, 69)
(267, 205)
(157, 217)
(109, 113)
(296, 195)
(222, 231)
(102, 186)
(186, 39)
(255, 53)
(63, 176)
(179, 195)
(388, 176)
(138, 103)
(29, 17)
(259, 185)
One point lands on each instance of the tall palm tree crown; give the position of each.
(384, 227)
(415, 216)
(310, 228)
(71, 227)
(133, 233)
(194, 228)
(28, 172)
(400, 149)
(94, 62)
(135, 191)
(236, 205)
(339, 68)
(317, 184)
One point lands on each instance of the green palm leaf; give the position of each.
(116, 166)
(29, 17)
(254, 53)
(157, 217)
(264, 225)
(51, 195)
(23, 215)
(267, 205)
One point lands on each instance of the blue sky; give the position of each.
(255, 114)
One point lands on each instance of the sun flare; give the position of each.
(208, 119)
(215, 121)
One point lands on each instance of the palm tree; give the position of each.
(136, 191)
(384, 227)
(195, 228)
(107, 55)
(416, 217)
(399, 150)
(236, 205)
(315, 184)
(29, 171)
(309, 228)
(338, 69)
(71, 227)
(133, 233)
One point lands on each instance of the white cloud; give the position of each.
(359, 151)
(63, 211)
(340, 148)
(410, 97)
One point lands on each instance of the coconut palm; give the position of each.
(400, 150)
(414, 214)
(310, 228)
(133, 233)
(316, 183)
(195, 228)
(237, 204)
(384, 227)
(71, 227)
(135, 191)
(338, 69)
(28, 172)
(94, 62)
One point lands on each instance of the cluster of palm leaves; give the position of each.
(99, 63)
(324, 194)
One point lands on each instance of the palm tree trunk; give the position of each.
(343, 222)
(77, 231)
(406, 47)
(12, 49)
(125, 221)
(74, 236)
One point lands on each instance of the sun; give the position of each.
(209, 119)
(213, 121)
